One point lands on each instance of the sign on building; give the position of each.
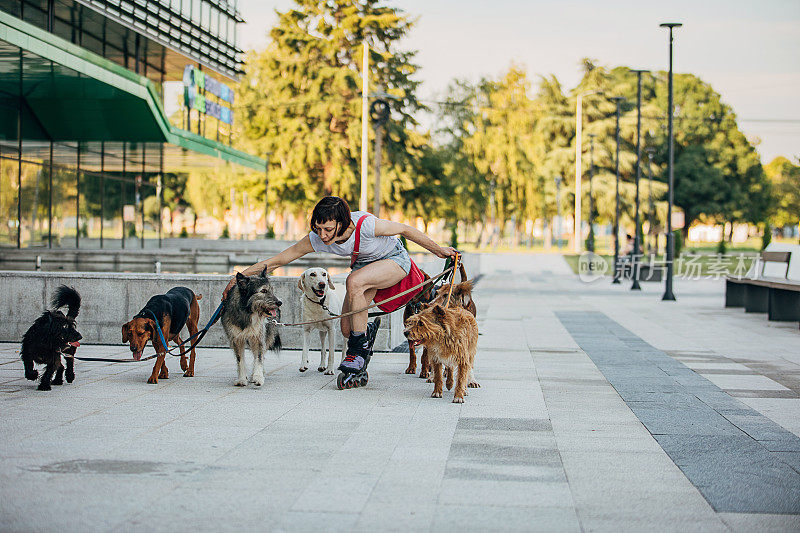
(197, 85)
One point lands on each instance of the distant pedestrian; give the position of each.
(627, 249)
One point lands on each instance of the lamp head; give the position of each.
(671, 25)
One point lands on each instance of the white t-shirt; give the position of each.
(370, 248)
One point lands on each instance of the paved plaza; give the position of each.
(601, 409)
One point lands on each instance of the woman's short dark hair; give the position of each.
(331, 208)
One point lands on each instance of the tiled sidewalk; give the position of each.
(551, 442)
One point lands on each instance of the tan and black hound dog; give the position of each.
(176, 308)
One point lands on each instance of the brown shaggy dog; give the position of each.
(451, 337)
(461, 297)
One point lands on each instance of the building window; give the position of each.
(214, 21)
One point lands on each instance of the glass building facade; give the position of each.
(86, 149)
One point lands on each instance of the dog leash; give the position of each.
(158, 329)
(199, 335)
(349, 313)
(216, 315)
(109, 360)
(320, 303)
(450, 292)
(131, 360)
(415, 302)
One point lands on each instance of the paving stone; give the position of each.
(396, 516)
(728, 458)
(503, 424)
(484, 518)
(739, 522)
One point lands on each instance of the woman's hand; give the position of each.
(298, 249)
(445, 251)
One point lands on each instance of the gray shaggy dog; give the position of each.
(247, 319)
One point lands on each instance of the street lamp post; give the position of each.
(590, 240)
(362, 202)
(578, 169)
(636, 239)
(650, 198)
(266, 200)
(668, 294)
(618, 101)
(558, 212)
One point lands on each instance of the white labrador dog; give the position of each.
(319, 300)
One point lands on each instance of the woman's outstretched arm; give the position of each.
(295, 251)
(389, 228)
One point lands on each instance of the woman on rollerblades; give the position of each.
(378, 261)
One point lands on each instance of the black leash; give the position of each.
(416, 301)
(320, 303)
(109, 360)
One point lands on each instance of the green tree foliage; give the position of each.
(699, 185)
(704, 122)
(468, 189)
(215, 193)
(500, 145)
(174, 193)
(300, 100)
(785, 179)
(521, 142)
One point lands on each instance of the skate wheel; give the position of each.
(364, 379)
(340, 384)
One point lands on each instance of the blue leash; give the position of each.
(158, 328)
(199, 335)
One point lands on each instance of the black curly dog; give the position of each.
(52, 334)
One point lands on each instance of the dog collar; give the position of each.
(321, 303)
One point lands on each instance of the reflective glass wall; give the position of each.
(87, 194)
(83, 195)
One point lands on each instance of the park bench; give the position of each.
(779, 297)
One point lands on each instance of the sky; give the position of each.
(749, 51)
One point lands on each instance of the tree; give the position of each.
(515, 144)
(174, 194)
(468, 188)
(300, 100)
(497, 139)
(784, 177)
(703, 120)
(699, 185)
